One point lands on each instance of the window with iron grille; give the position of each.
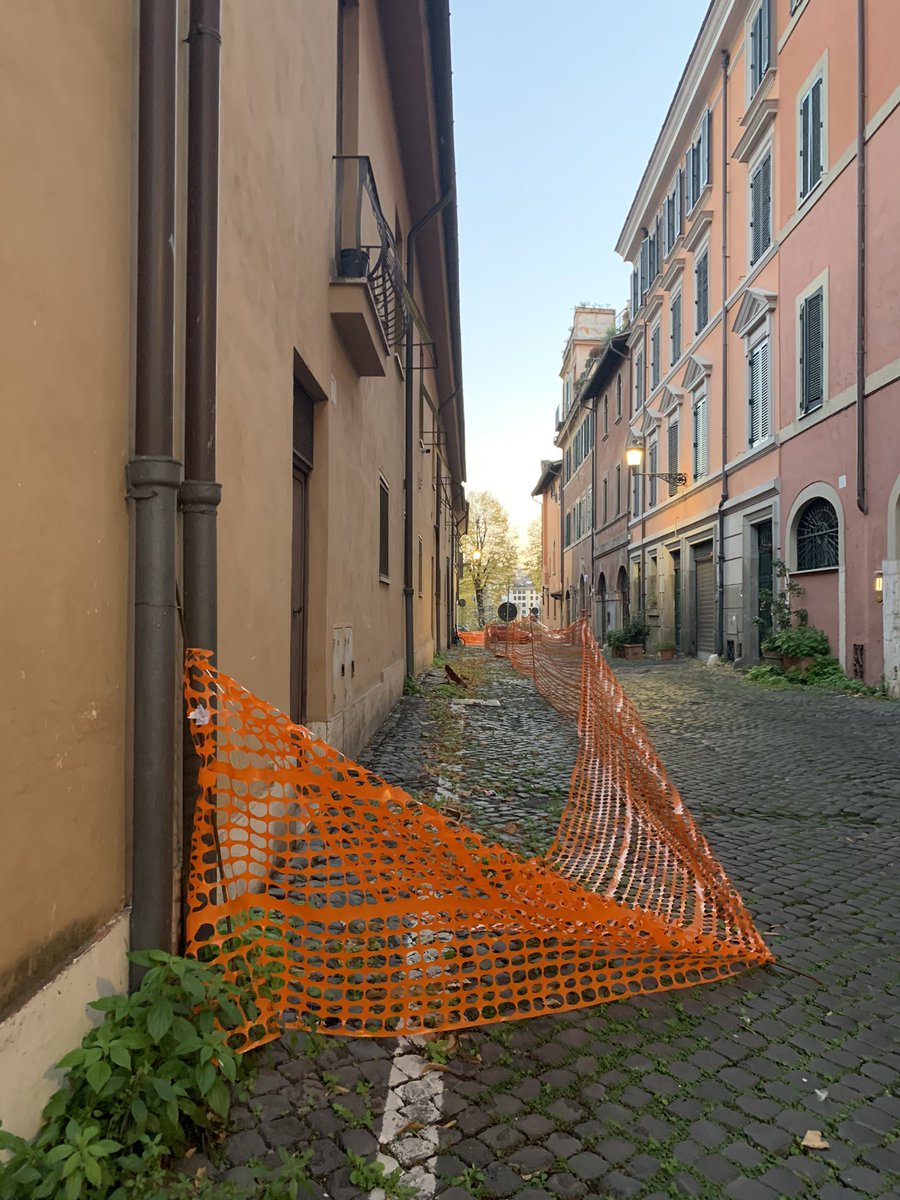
(760, 45)
(761, 209)
(811, 139)
(812, 352)
(384, 513)
(818, 537)
(701, 294)
(673, 452)
(675, 329)
(760, 389)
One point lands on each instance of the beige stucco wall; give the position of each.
(65, 334)
(279, 95)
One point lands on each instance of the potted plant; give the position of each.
(776, 615)
(666, 651)
(616, 639)
(801, 645)
(637, 630)
(770, 651)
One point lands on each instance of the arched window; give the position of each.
(818, 541)
(601, 585)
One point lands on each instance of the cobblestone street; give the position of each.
(706, 1092)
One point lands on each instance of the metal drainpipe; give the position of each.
(720, 625)
(861, 502)
(153, 476)
(408, 456)
(200, 494)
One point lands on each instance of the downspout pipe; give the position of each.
(408, 494)
(153, 476)
(723, 499)
(200, 493)
(861, 246)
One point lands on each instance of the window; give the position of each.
(652, 571)
(606, 415)
(618, 490)
(635, 292)
(812, 352)
(672, 448)
(568, 464)
(760, 45)
(761, 209)
(653, 460)
(639, 381)
(701, 436)
(654, 357)
(636, 494)
(818, 539)
(604, 509)
(811, 139)
(701, 290)
(569, 528)
(384, 512)
(760, 390)
(420, 566)
(675, 329)
(697, 171)
(673, 215)
(619, 396)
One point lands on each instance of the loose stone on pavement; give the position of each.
(707, 1092)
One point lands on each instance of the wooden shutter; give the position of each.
(689, 179)
(706, 150)
(754, 397)
(676, 329)
(635, 294)
(679, 203)
(653, 457)
(755, 216)
(673, 454)
(654, 357)
(765, 392)
(812, 362)
(765, 37)
(815, 134)
(702, 298)
(805, 105)
(765, 204)
(701, 445)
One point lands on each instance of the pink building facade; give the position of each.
(765, 237)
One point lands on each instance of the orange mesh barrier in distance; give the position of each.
(357, 909)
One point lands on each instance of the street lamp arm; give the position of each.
(676, 478)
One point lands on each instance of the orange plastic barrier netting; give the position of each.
(471, 637)
(344, 904)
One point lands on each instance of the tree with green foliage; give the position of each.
(489, 551)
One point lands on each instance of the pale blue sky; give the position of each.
(557, 105)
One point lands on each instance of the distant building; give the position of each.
(548, 488)
(525, 594)
(591, 328)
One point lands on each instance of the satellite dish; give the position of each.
(507, 612)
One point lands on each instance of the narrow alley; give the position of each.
(706, 1092)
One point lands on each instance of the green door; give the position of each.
(764, 580)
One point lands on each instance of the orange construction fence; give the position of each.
(343, 903)
(471, 637)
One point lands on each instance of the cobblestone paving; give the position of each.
(700, 1093)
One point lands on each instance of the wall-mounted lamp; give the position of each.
(879, 587)
(634, 456)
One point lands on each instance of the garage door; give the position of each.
(704, 600)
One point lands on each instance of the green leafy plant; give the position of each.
(368, 1176)
(412, 687)
(638, 630)
(804, 641)
(352, 1119)
(149, 1082)
(437, 1050)
(617, 638)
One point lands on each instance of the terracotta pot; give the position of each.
(667, 655)
(634, 650)
(797, 664)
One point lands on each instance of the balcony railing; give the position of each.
(365, 247)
